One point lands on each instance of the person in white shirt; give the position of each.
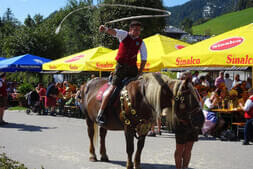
(130, 45)
(236, 81)
(228, 82)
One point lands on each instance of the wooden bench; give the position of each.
(239, 127)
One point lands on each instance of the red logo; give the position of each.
(74, 59)
(227, 43)
(179, 46)
(72, 67)
(52, 67)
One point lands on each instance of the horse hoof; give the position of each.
(137, 167)
(129, 166)
(104, 159)
(93, 159)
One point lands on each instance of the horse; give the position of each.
(136, 108)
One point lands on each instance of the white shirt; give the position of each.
(236, 83)
(248, 105)
(122, 34)
(228, 83)
(208, 103)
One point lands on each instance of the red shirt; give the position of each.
(128, 50)
(249, 114)
(42, 92)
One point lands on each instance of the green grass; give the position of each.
(17, 108)
(224, 23)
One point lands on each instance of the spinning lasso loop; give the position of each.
(167, 13)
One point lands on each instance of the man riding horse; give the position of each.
(130, 44)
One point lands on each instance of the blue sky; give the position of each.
(21, 8)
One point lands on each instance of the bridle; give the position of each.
(179, 100)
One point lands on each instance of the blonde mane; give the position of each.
(153, 95)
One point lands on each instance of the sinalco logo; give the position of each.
(75, 58)
(227, 43)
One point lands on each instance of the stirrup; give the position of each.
(100, 119)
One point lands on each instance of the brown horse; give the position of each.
(139, 103)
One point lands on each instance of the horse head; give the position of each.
(187, 104)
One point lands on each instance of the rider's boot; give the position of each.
(100, 118)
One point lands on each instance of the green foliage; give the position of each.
(24, 88)
(17, 108)
(225, 23)
(6, 163)
(244, 4)
(187, 25)
(172, 75)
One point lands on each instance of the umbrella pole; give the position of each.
(251, 76)
(100, 74)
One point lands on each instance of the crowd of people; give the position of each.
(57, 95)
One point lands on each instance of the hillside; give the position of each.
(200, 9)
(224, 23)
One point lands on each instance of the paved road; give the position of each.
(62, 143)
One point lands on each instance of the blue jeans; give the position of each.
(248, 130)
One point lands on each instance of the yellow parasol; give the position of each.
(157, 46)
(233, 48)
(76, 62)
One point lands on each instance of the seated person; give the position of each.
(211, 120)
(233, 96)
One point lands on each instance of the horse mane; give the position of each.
(153, 91)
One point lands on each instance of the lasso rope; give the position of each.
(167, 13)
(136, 17)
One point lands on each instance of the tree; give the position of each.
(186, 25)
(38, 19)
(29, 22)
(242, 4)
(104, 14)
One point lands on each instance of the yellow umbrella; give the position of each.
(157, 46)
(76, 62)
(233, 48)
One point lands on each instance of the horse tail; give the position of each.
(95, 137)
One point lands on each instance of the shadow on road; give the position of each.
(147, 165)
(25, 127)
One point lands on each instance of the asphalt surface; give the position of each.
(62, 143)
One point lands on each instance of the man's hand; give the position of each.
(103, 28)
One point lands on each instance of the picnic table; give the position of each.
(230, 113)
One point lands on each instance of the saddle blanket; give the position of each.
(102, 91)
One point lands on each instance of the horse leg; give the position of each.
(137, 158)
(103, 133)
(129, 136)
(90, 125)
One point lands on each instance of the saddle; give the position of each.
(115, 94)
